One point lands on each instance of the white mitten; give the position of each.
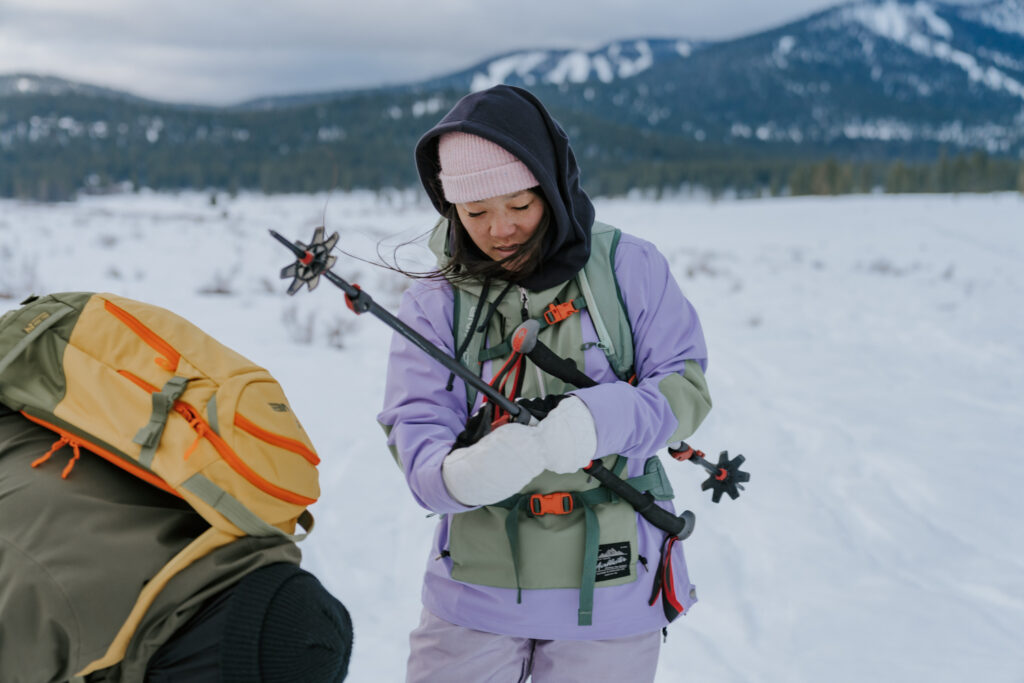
(495, 467)
(568, 436)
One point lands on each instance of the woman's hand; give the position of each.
(567, 437)
(507, 459)
(495, 467)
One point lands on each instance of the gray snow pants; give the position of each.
(442, 653)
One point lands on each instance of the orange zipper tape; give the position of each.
(126, 465)
(203, 429)
(276, 439)
(169, 355)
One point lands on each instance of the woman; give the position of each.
(536, 569)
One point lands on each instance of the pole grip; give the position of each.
(642, 502)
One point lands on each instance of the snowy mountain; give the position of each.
(915, 73)
(30, 84)
(867, 81)
(855, 78)
(617, 61)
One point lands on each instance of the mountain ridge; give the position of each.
(862, 82)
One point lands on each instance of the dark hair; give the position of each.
(466, 261)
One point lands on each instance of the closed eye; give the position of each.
(524, 207)
(474, 215)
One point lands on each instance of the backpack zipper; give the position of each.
(128, 466)
(203, 429)
(276, 439)
(169, 357)
(168, 360)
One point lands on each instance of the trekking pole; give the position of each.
(315, 260)
(524, 341)
(643, 502)
(726, 477)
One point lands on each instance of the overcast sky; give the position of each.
(227, 51)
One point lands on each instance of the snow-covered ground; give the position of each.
(867, 356)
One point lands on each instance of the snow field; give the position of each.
(866, 355)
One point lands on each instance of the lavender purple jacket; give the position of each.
(423, 420)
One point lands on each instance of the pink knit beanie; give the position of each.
(473, 169)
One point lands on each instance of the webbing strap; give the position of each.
(163, 401)
(239, 515)
(591, 536)
(504, 348)
(652, 481)
(606, 342)
(211, 415)
(518, 501)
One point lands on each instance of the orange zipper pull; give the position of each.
(71, 463)
(197, 424)
(57, 445)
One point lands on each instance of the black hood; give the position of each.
(516, 120)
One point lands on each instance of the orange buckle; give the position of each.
(556, 313)
(551, 504)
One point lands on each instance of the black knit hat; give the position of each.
(283, 626)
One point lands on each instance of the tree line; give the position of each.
(318, 171)
(59, 171)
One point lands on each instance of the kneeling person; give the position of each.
(75, 552)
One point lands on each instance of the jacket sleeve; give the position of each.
(671, 397)
(420, 416)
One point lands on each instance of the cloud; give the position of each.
(223, 51)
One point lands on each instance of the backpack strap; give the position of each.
(653, 480)
(204, 544)
(601, 297)
(554, 314)
(163, 401)
(247, 522)
(607, 309)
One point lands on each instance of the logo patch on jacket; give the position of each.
(612, 561)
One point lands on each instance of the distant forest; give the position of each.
(54, 147)
(972, 172)
(316, 169)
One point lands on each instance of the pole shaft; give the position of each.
(364, 302)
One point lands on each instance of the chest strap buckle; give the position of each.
(559, 503)
(556, 313)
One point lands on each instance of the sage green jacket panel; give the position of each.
(687, 393)
(670, 398)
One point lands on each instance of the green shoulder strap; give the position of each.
(603, 299)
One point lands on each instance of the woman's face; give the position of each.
(500, 225)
